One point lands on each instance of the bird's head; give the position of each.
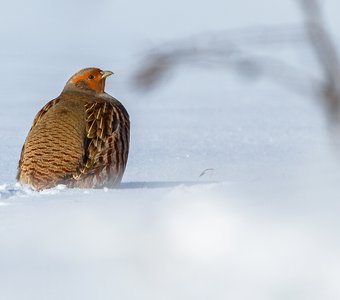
(89, 79)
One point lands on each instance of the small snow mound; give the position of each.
(3, 187)
(9, 190)
(54, 191)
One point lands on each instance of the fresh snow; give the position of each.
(261, 223)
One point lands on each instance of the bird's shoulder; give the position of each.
(98, 107)
(41, 113)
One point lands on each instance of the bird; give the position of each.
(79, 139)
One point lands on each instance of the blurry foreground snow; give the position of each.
(185, 242)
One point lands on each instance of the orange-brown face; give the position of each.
(90, 79)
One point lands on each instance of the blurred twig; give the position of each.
(265, 35)
(206, 171)
(327, 56)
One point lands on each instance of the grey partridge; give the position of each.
(80, 139)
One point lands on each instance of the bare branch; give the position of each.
(230, 52)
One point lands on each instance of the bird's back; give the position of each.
(53, 149)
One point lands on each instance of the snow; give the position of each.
(261, 224)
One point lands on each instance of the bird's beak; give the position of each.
(106, 74)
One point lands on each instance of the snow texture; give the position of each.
(262, 223)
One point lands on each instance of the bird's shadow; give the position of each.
(160, 184)
(13, 190)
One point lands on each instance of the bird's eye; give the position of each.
(91, 76)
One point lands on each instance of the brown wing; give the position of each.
(106, 144)
(37, 118)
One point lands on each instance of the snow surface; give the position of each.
(263, 224)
